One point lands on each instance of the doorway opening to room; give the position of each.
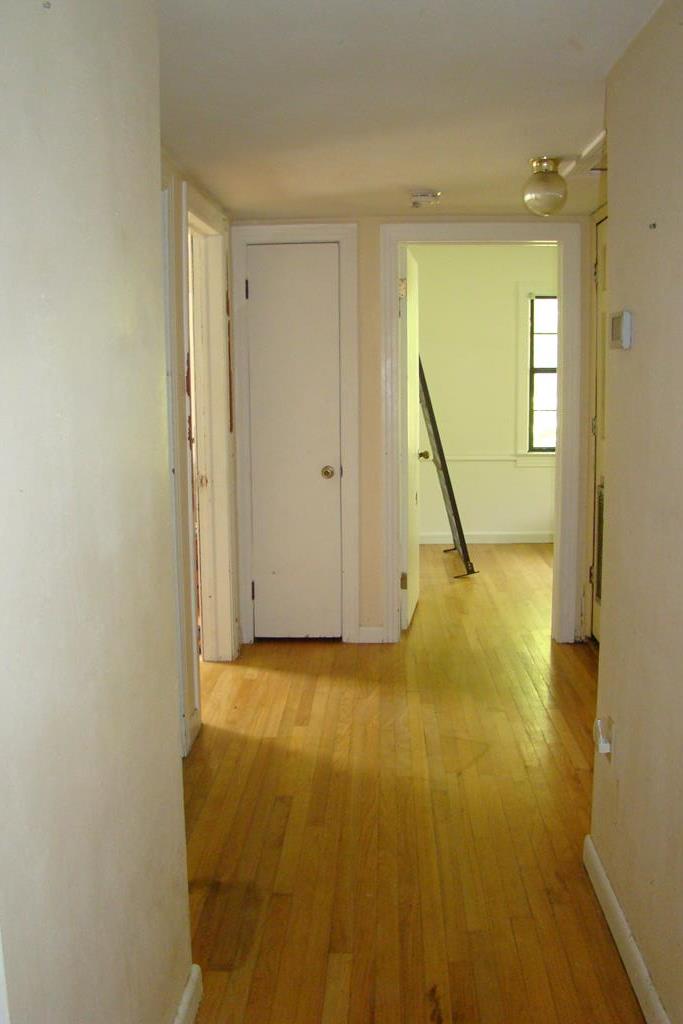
(482, 320)
(565, 241)
(201, 440)
(210, 434)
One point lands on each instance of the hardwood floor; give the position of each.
(392, 833)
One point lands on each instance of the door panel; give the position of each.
(293, 313)
(412, 592)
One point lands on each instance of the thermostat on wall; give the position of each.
(621, 332)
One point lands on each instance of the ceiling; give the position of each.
(334, 108)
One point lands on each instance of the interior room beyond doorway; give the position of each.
(484, 321)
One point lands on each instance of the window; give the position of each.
(543, 312)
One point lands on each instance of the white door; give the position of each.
(293, 329)
(600, 426)
(411, 499)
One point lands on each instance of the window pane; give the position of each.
(545, 316)
(545, 429)
(545, 350)
(545, 391)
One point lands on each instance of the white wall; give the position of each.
(93, 894)
(473, 338)
(637, 824)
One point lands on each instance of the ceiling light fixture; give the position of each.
(546, 191)
(424, 197)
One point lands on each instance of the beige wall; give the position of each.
(474, 348)
(638, 807)
(93, 893)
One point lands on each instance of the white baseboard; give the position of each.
(489, 538)
(192, 995)
(371, 635)
(636, 968)
(192, 726)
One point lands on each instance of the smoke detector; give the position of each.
(424, 197)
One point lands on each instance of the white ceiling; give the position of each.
(295, 108)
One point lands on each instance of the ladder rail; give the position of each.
(442, 471)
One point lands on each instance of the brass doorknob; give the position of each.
(327, 472)
(423, 455)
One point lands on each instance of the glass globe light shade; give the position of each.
(546, 191)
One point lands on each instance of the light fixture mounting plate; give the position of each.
(425, 197)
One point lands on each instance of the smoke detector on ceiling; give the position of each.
(424, 197)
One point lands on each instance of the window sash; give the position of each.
(533, 371)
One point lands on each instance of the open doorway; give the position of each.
(210, 439)
(483, 322)
(201, 439)
(567, 584)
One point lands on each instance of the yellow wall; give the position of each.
(474, 348)
(637, 821)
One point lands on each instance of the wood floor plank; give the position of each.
(337, 989)
(391, 834)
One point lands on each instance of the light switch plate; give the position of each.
(621, 329)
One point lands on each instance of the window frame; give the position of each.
(531, 448)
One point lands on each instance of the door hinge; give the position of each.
(253, 590)
(591, 575)
(190, 438)
(188, 376)
(402, 291)
(595, 271)
(404, 581)
(594, 426)
(246, 287)
(227, 302)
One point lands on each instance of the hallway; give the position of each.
(393, 833)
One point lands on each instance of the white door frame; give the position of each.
(174, 218)
(566, 622)
(215, 457)
(345, 236)
(186, 661)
